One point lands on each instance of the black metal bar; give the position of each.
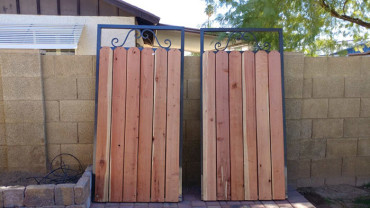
(38, 7)
(18, 7)
(78, 7)
(58, 7)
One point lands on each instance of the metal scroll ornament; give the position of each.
(142, 34)
(246, 36)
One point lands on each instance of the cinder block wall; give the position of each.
(327, 114)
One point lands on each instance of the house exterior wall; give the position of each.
(327, 115)
(87, 42)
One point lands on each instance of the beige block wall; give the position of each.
(327, 116)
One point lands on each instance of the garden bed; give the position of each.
(71, 195)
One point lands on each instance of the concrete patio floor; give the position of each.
(191, 199)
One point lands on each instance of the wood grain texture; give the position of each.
(276, 125)
(132, 125)
(103, 125)
(249, 126)
(118, 124)
(209, 180)
(145, 125)
(159, 126)
(236, 126)
(222, 123)
(263, 126)
(173, 126)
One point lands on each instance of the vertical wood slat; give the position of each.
(249, 126)
(132, 125)
(103, 125)
(222, 121)
(173, 127)
(209, 127)
(146, 125)
(277, 128)
(118, 124)
(236, 126)
(159, 126)
(263, 126)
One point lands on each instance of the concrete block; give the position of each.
(349, 166)
(344, 107)
(191, 67)
(293, 87)
(1, 88)
(314, 108)
(77, 65)
(192, 152)
(298, 169)
(310, 182)
(293, 150)
(3, 157)
(328, 87)
(64, 194)
(340, 180)
(192, 109)
(52, 111)
(13, 196)
(344, 66)
(193, 89)
(357, 87)
(293, 129)
(48, 65)
(39, 195)
(2, 134)
(2, 112)
(60, 88)
(1, 198)
(362, 166)
(22, 88)
(82, 190)
(192, 130)
(312, 149)
(352, 86)
(365, 63)
(362, 180)
(53, 151)
(293, 64)
(86, 132)
(20, 65)
(86, 88)
(356, 127)
(363, 147)
(306, 128)
(23, 111)
(25, 133)
(61, 132)
(26, 158)
(84, 152)
(315, 67)
(326, 167)
(77, 110)
(307, 88)
(327, 128)
(338, 148)
(293, 108)
(365, 107)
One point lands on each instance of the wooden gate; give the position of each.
(243, 137)
(138, 125)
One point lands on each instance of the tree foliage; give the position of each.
(310, 26)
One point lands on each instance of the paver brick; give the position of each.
(64, 194)
(13, 196)
(39, 195)
(82, 190)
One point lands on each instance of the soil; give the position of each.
(338, 196)
(18, 178)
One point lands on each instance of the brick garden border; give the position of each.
(62, 195)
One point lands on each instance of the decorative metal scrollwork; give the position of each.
(246, 36)
(142, 33)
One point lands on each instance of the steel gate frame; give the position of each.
(141, 29)
(266, 46)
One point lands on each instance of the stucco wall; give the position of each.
(327, 114)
